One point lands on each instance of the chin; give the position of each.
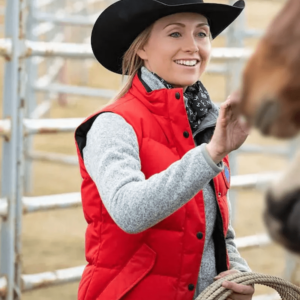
(185, 83)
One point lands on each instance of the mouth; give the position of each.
(187, 62)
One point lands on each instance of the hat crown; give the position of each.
(126, 19)
(178, 2)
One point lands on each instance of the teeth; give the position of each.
(186, 62)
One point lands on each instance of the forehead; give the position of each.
(184, 18)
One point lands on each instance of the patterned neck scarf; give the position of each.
(197, 102)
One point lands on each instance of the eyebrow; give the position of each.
(182, 25)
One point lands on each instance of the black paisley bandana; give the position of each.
(197, 102)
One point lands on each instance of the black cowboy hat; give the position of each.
(119, 24)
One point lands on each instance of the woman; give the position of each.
(155, 180)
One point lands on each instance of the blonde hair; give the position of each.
(131, 62)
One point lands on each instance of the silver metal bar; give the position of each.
(45, 126)
(51, 74)
(278, 150)
(58, 38)
(231, 53)
(252, 241)
(63, 276)
(41, 109)
(65, 19)
(36, 281)
(54, 157)
(49, 49)
(31, 100)
(74, 90)
(51, 202)
(42, 3)
(12, 165)
(73, 50)
(42, 28)
(253, 33)
(220, 69)
(48, 26)
(41, 203)
(252, 181)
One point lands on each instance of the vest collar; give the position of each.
(159, 102)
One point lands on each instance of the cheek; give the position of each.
(205, 51)
(161, 55)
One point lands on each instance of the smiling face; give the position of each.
(178, 48)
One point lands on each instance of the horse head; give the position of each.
(270, 96)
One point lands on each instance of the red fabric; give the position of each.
(162, 261)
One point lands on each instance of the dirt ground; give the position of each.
(55, 240)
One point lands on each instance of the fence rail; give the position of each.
(81, 51)
(47, 279)
(69, 200)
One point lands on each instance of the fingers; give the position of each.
(235, 102)
(228, 109)
(238, 288)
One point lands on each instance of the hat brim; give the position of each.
(118, 26)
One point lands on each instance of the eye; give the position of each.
(202, 34)
(175, 34)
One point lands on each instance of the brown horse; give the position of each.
(271, 102)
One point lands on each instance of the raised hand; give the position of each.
(231, 132)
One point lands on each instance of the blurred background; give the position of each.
(59, 86)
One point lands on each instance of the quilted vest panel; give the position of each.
(162, 261)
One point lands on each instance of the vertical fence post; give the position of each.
(234, 38)
(12, 173)
(31, 71)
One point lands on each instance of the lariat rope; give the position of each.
(285, 289)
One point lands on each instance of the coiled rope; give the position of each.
(285, 289)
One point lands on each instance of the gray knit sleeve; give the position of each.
(235, 259)
(111, 157)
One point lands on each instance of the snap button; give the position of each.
(186, 134)
(177, 96)
(219, 194)
(199, 235)
(191, 287)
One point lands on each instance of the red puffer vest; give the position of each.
(162, 262)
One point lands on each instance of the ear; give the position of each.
(142, 54)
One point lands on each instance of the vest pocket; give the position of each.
(140, 264)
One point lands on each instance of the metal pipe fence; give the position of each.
(63, 276)
(24, 51)
(70, 200)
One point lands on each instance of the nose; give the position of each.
(190, 45)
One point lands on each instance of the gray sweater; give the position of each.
(111, 157)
